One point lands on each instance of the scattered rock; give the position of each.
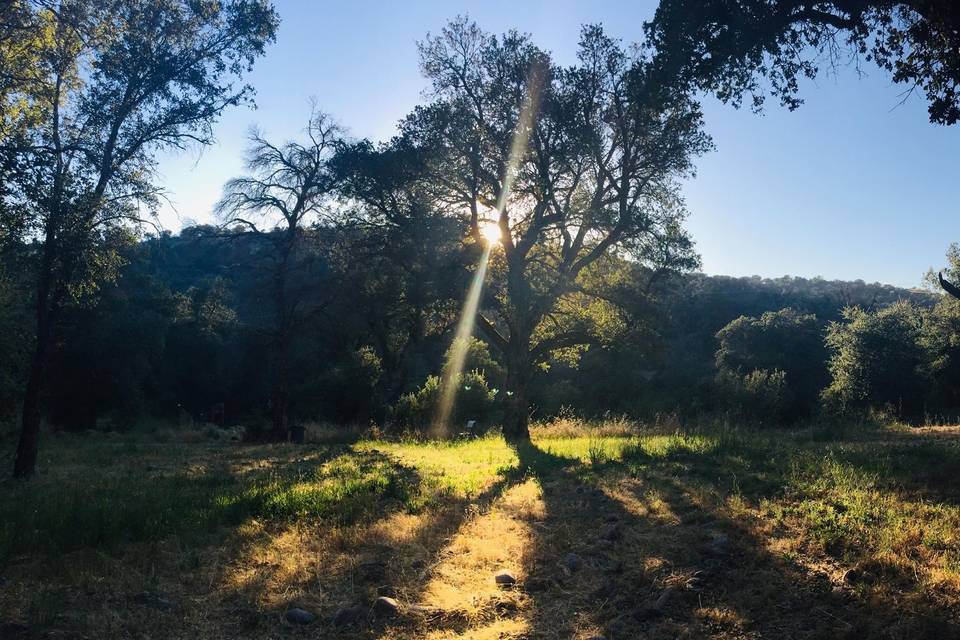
(299, 616)
(572, 562)
(384, 607)
(154, 600)
(13, 629)
(505, 578)
(611, 532)
(349, 615)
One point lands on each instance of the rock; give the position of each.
(384, 607)
(349, 615)
(611, 532)
(572, 562)
(154, 600)
(299, 616)
(504, 578)
(386, 590)
(13, 629)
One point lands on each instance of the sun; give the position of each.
(490, 232)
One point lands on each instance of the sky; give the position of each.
(853, 185)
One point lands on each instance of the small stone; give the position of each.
(299, 616)
(572, 562)
(384, 607)
(611, 532)
(349, 615)
(505, 578)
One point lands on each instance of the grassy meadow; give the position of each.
(610, 529)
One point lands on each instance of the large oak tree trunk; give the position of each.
(25, 464)
(517, 408)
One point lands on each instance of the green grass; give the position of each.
(848, 497)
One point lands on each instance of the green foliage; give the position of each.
(760, 396)
(475, 400)
(777, 359)
(741, 48)
(877, 360)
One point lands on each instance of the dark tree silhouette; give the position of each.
(728, 47)
(117, 80)
(289, 185)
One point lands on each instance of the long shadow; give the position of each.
(175, 533)
(656, 557)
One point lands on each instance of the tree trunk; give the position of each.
(516, 416)
(25, 464)
(280, 396)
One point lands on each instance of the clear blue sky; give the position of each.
(849, 186)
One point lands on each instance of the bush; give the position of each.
(778, 358)
(475, 401)
(760, 396)
(877, 360)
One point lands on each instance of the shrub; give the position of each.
(760, 396)
(475, 401)
(778, 359)
(877, 360)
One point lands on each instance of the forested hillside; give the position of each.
(187, 326)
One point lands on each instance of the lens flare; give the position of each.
(461, 342)
(490, 232)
